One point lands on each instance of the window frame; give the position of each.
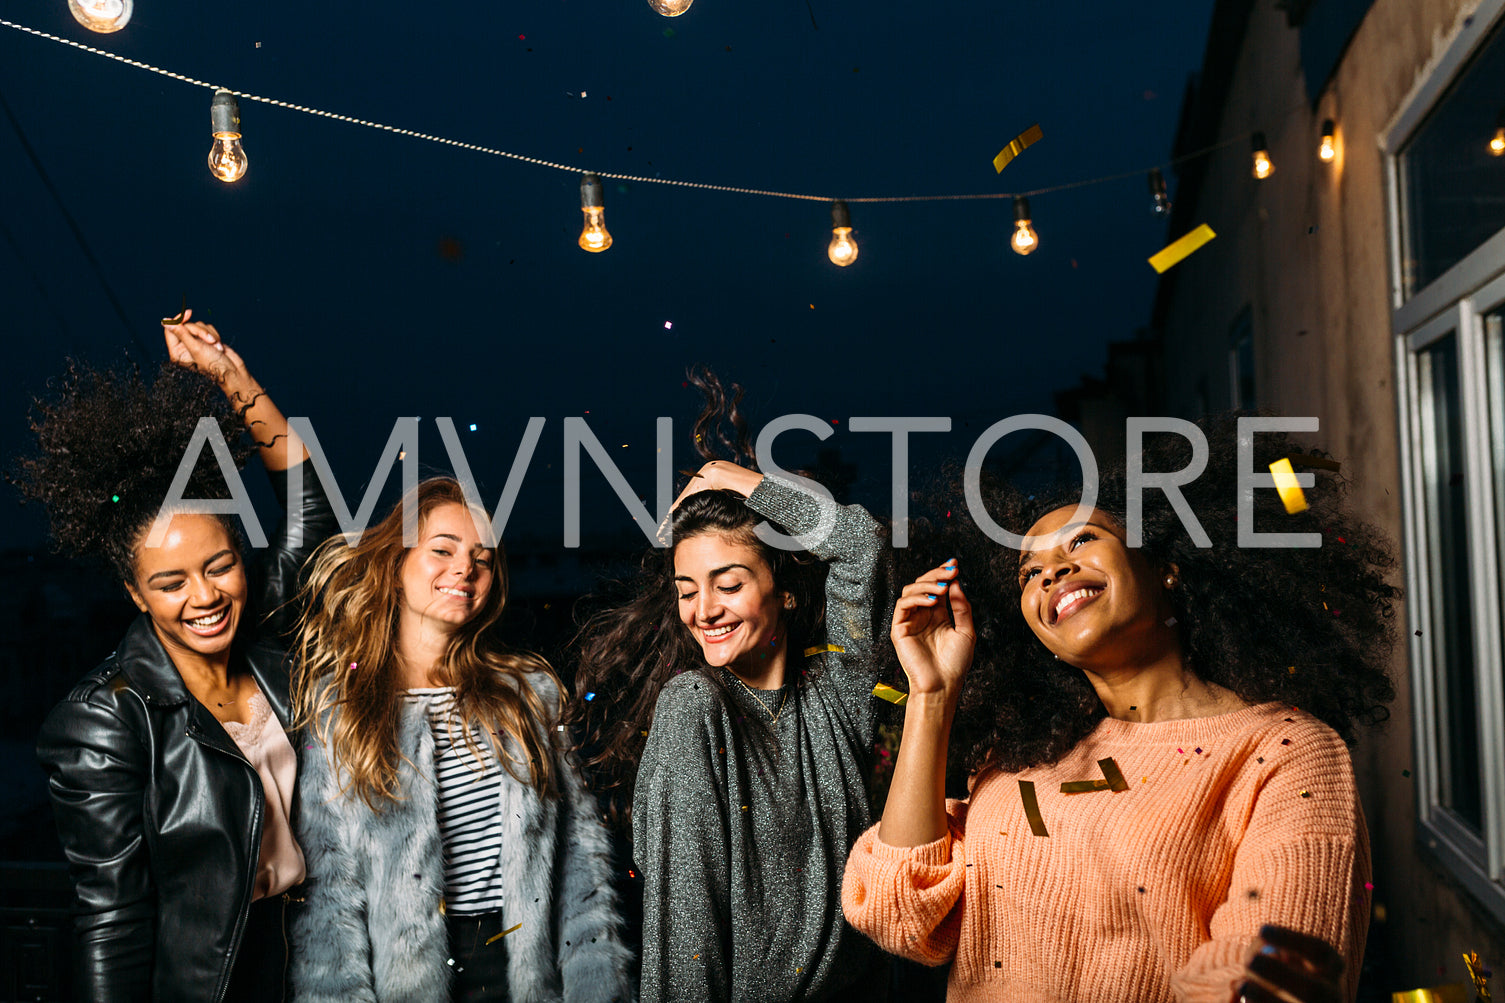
(1455, 302)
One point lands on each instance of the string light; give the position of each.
(843, 249)
(1263, 166)
(227, 159)
(1025, 239)
(594, 237)
(103, 16)
(1160, 199)
(1497, 145)
(1329, 148)
(670, 8)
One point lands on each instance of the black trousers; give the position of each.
(260, 973)
(480, 967)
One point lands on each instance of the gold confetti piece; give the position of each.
(1176, 250)
(1315, 462)
(1083, 786)
(1291, 495)
(1017, 145)
(822, 648)
(893, 696)
(492, 940)
(1116, 781)
(1032, 808)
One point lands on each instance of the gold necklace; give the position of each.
(774, 714)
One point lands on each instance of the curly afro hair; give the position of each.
(108, 446)
(1307, 627)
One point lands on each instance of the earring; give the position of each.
(789, 602)
(1170, 581)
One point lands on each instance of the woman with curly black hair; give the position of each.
(1156, 747)
(169, 766)
(732, 694)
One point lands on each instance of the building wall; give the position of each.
(1307, 251)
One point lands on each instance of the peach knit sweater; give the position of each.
(1150, 894)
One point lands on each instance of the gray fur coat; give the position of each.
(371, 929)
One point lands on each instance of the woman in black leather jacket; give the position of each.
(177, 834)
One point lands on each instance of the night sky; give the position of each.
(367, 276)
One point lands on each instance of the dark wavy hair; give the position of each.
(108, 445)
(1308, 627)
(625, 652)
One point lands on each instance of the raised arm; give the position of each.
(309, 520)
(905, 877)
(96, 774)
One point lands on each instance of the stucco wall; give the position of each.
(1307, 250)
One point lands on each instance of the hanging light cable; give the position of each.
(1160, 200)
(103, 16)
(1263, 165)
(594, 237)
(227, 158)
(670, 8)
(1025, 239)
(843, 249)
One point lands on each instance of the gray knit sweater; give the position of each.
(742, 852)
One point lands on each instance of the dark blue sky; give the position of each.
(324, 264)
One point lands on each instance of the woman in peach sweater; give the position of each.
(1156, 750)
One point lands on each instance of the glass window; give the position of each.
(1453, 182)
(1447, 546)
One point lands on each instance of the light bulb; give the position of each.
(1025, 240)
(1329, 148)
(1160, 201)
(1263, 166)
(227, 159)
(594, 237)
(670, 8)
(103, 16)
(1497, 145)
(843, 249)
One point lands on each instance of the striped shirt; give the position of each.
(470, 823)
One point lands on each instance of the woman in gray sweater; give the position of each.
(739, 689)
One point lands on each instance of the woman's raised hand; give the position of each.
(198, 346)
(932, 632)
(720, 474)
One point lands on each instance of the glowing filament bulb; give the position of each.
(843, 249)
(1497, 145)
(670, 8)
(1025, 240)
(103, 16)
(594, 237)
(227, 159)
(1263, 166)
(1329, 148)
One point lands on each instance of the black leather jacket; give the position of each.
(158, 811)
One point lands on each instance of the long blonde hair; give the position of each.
(345, 682)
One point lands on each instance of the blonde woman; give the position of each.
(453, 853)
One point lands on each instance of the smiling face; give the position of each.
(729, 602)
(1088, 597)
(447, 577)
(193, 587)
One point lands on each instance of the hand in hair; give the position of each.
(198, 346)
(720, 475)
(932, 632)
(1291, 967)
